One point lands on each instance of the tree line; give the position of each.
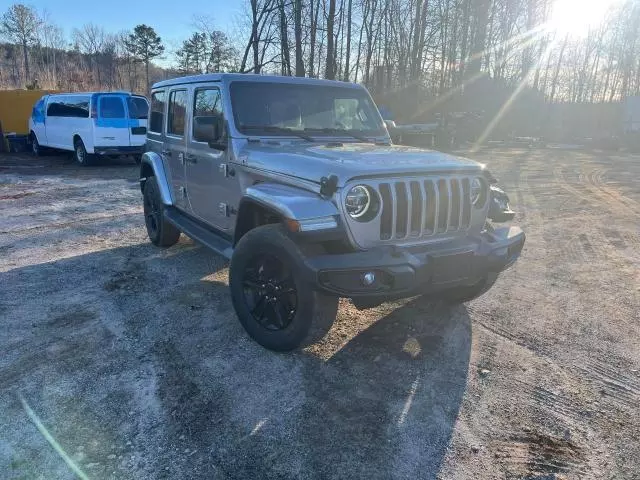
(421, 55)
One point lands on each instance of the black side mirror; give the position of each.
(210, 130)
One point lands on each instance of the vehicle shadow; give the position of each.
(384, 406)
(63, 163)
(135, 352)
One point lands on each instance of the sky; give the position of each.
(172, 20)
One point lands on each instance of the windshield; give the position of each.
(138, 107)
(280, 108)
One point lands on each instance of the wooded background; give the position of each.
(492, 59)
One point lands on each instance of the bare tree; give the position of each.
(330, 63)
(20, 24)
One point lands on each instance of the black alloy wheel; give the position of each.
(270, 292)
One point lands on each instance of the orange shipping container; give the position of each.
(15, 109)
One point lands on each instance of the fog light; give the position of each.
(368, 279)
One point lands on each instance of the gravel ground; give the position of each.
(120, 360)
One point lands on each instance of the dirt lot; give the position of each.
(129, 360)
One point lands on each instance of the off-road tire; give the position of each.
(160, 231)
(459, 295)
(315, 312)
(80, 153)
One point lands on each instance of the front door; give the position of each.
(174, 148)
(212, 187)
(112, 125)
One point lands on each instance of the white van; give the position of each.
(90, 124)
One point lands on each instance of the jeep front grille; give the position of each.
(421, 208)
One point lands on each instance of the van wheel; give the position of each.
(160, 231)
(80, 153)
(275, 304)
(35, 146)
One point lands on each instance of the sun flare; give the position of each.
(576, 17)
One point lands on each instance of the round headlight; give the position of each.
(358, 201)
(477, 192)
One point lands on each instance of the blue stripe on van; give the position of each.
(117, 122)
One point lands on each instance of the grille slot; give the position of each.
(443, 213)
(416, 204)
(454, 217)
(415, 208)
(402, 213)
(387, 211)
(466, 204)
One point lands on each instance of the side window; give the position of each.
(111, 106)
(177, 112)
(54, 109)
(207, 112)
(69, 107)
(158, 100)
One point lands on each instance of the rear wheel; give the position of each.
(80, 153)
(160, 231)
(275, 304)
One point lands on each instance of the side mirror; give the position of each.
(210, 130)
(391, 125)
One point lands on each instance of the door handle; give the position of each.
(166, 152)
(192, 158)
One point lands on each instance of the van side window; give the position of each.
(69, 107)
(111, 107)
(177, 110)
(158, 100)
(207, 110)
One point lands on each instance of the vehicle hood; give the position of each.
(350, 160)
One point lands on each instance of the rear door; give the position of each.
(138, 110)
(174, 148)
(112, 125)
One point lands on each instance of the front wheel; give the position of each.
(275, 304)
(36, 149)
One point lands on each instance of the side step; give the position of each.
(198, 232)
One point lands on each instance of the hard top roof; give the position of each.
(229, 77)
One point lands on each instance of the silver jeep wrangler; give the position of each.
(296, 182)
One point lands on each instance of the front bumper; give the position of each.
(129, 150)
(404, 272)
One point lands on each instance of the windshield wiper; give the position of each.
(341, 131)
(280, 130)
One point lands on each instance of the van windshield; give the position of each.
(319, 110)
(138, 107)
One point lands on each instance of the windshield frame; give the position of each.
(358, 91)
